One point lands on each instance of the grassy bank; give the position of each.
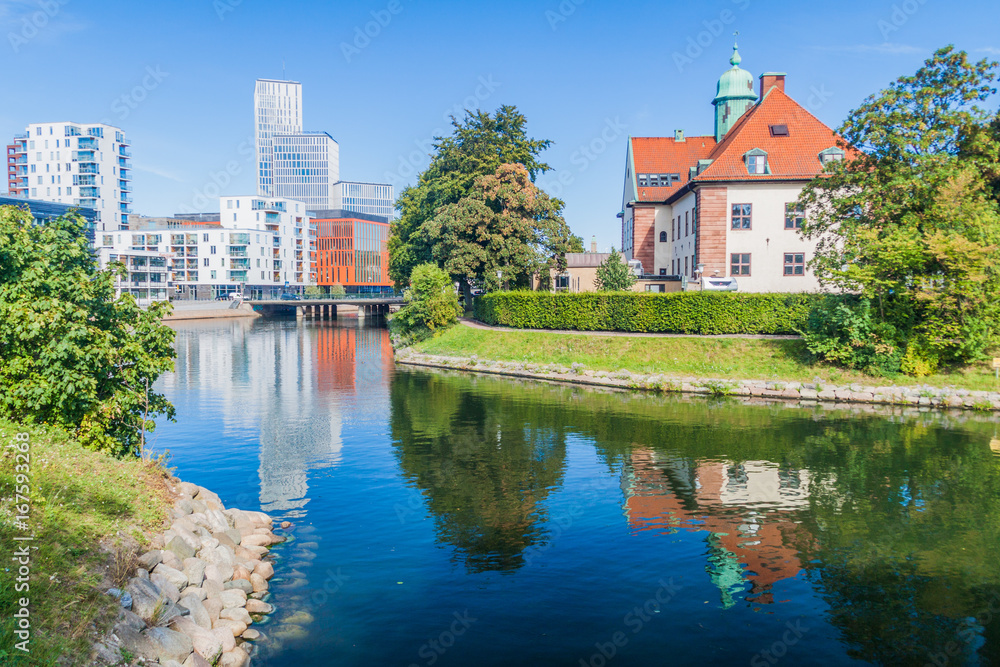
(722, 358)
(88, 512)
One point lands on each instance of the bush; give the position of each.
(844, 331)
(687, 312)
(431, 305)
(337, 290)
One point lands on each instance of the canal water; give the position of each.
(448, 519)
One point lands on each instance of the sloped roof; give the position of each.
(583, 260)
(665, 155)
(795, 156)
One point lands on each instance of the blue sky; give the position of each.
(179, 76)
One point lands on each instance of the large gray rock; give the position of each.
(175, 577)
(236, 614)
(199, 615)
(136, 643)
(187, 489)
(195, 660)
(150, 603)
(150, 559)
(258, 607)
(236, 628)
(219, 572)
(233, 598)
(241, 585)
(212, 586)
(235, 658)
(172, 645)
(194, 568)
(214, 607)
(204, 641)
(180, 547)
(166, 588)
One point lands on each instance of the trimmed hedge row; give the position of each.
(682, 312)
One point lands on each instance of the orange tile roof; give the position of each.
(663, 155)
(793, 157)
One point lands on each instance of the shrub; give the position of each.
(431, 305)
(337, 290)
(614, 275)
(687, 312)
(844, 331)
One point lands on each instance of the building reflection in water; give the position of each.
(293, 383)
(748, 509)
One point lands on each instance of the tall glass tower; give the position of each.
(305, 168)
(277, 110)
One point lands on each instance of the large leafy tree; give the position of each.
(505, 226)
(72, 352)
(479, 144)
(911, 221)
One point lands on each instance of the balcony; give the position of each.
(84, 180)
(125, 174)
(85, 203)
(272, 218)
(20, 160)
(126, 198)
(124, 186)
(236, 276)
(239, 239)
(123, 208)
(124, 164)
(87, 144)
(84, 156)
(95, 132)
(89, 169)
(237, 251)
(277, 264)
(20, 135)
(123, 152)
(90, 193)
(239, 264)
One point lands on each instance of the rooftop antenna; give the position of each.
(282, 69)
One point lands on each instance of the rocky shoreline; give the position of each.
(917, 396)
(197, 592)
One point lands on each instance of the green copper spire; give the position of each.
(734, 95)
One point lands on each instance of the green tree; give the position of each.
(431, 305)
(614, 275)
(71, 352)
(505, 224)
(911, 220)
(478, 146)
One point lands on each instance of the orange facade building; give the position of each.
(352, 250)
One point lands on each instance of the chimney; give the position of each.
(593, 244)
(769, 80)
(679, 136)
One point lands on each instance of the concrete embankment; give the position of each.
(197, 592)
(207, 310)
(921, 397)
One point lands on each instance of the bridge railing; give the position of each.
(331, 297)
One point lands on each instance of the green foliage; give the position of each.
(71, 353)
(505, 224)
(846, 332)
(614, 275)
(431, 305)
(684, 312)
(337, 290)
(912, 222)
(315, 292)
(478, 146)
(918, 362)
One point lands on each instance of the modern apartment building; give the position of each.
(277, 110)
(88, 166)
(260, 246)
(366, 198)
(43, 211)
(305, 167)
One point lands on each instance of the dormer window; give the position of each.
(831, 155)
(756, 161)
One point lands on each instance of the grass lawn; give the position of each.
(722, 358)
(88, 513)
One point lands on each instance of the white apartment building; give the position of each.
(147, 276)
(84, 165)
(277, 110)
(306, 167)
(260, 246)
(368, 198)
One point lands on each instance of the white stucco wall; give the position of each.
(768, 240)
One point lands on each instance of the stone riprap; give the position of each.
(919, 396)
(196, 593)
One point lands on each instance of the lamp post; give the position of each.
(700, 270)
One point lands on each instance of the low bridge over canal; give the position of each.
(326, 308)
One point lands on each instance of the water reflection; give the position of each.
(290, 382)
(895, 522)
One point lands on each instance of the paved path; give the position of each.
(476, 324)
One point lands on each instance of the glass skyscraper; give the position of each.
(305, 167)
(277, 110)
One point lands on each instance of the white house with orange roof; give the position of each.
(727, 201)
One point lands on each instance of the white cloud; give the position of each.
(886, 48)
(989, 50)
(162, 173)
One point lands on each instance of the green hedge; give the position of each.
(683, 312)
